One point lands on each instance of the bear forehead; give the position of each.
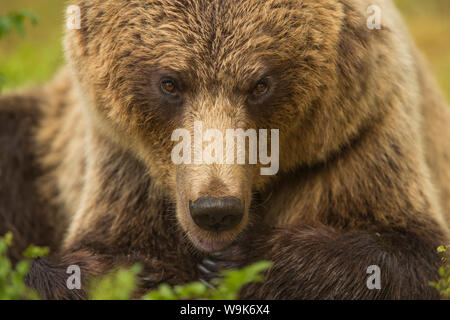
(232, 36)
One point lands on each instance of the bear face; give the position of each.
(155, 66)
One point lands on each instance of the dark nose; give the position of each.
(217, 214)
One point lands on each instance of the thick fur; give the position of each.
(22, 211)
(364, 148)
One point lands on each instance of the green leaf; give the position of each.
(16, 20)
(33, 252)
(118, 285)
(5, 26)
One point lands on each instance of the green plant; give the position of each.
(2, 81)
(12, 278)
(443, 285)
(226, 287)
(14, 21)
(118, 285)
(122, 284)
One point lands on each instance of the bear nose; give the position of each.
(216, 214)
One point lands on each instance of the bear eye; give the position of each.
(168, 86)
(261, 88)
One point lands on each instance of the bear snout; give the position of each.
(217, 214)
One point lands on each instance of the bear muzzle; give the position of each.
(217, 214)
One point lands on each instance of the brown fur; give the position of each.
(364, 143)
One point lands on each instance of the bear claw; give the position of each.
(209, 270)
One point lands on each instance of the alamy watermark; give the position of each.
(74, 280)
(374, 281)
(73, 17)
(235, 147)
(374, 20)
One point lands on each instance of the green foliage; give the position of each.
(2, 82)
(122, 284)
(16, 21)
(12, 278)
(190, 290)
(33, 252)
(443, 285)
(118, 285)
(227, 287)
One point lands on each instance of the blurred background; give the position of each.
(34, 57)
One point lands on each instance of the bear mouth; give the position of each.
(209, 245)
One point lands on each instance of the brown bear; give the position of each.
(364, 150)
